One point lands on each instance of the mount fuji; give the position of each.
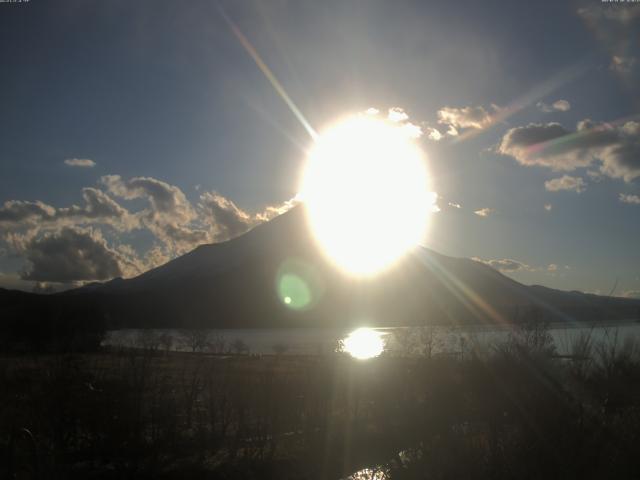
(238, 284)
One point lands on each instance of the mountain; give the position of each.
(275, 276)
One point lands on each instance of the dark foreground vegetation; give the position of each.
(515, 410)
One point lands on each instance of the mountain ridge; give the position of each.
(238, 283)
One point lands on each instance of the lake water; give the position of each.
(313, 341)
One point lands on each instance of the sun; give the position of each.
(366, 191)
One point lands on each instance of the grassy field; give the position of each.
(514, 412)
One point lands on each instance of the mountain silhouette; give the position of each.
(276, 276)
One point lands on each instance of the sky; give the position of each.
(131, 132)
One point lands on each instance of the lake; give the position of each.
(396, 340)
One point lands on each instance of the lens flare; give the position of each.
(298, 285)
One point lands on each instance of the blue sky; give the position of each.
(191, 143)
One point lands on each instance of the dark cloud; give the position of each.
(70, 255)
(98, 208)
(16, 212)
(616, 147)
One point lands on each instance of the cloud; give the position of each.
(466, 117)
(615, 147)
(595, 176)
(169, 216)
(548, 207)
(566, 182)
(631, 294)
(505, 264)
(224, 216)
(43, 235)
(164, 198)
(434, 134)
(182, 226)
(412, 130)
(17, 212)
(80, 162)
(98, 208)
(397, 114)
(455, 205)
(622, 64)
(13, 281)
(272, 211)
(633, 199)
(619, 15)
(557, 106)
(452, 131)
(484, 212)
(227, 220)
(616, 29)
(71, 255)
(508, 265)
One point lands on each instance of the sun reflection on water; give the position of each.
(368, 474)
(363, 343)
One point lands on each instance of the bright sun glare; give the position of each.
(363, 343)
(367, 195)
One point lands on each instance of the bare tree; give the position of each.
(147, 339)
(419, 341)
(196, 339)
(216, 343)
(239, 346)
(280, 348)
(166, 341)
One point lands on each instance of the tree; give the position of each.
(280, 348)
(239, 346)
(196, 339)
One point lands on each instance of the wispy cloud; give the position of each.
(509, 265)
(566, 182)
(484, 212)
(505, 264)
(614, 27)
(634, 199)
(80, 162)
(557, 106)
(622, 64)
